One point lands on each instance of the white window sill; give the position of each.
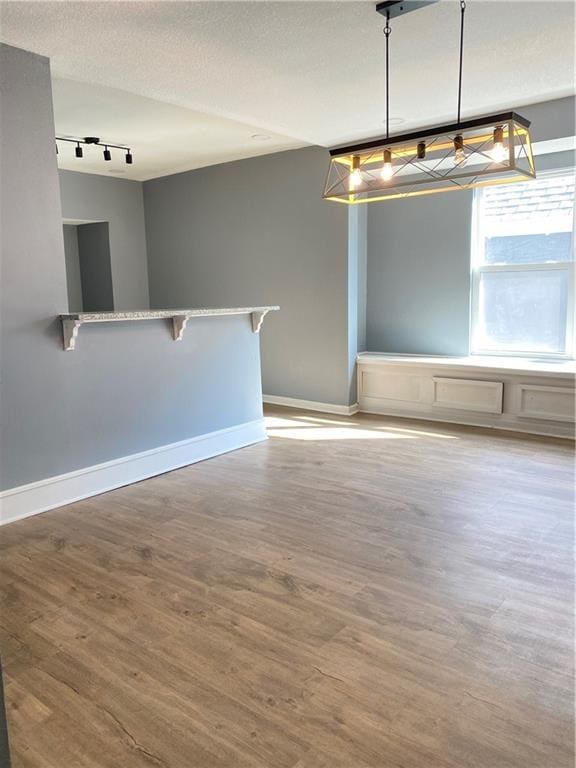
(518, 365)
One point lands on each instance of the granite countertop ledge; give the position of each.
(71, 322)
(156, 314)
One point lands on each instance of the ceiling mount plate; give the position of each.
(397, 8)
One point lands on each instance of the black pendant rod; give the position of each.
(462, 11)
(387, 32)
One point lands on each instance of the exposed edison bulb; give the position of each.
(499, 153)
(459, 157)
(459, 154)
(387, 171)
(355, 179)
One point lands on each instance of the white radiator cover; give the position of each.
(535, 398)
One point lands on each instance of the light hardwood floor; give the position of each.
(353, 593)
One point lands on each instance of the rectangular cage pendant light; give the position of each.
(489, 150)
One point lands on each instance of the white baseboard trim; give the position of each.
(26, 500)
(311, 405)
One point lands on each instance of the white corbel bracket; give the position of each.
(179, 323)
(258, 319)
(70, 330)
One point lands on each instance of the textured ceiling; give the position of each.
(163, 138)
(302, 72)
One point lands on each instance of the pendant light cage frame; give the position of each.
(489, 150)
(495, 149)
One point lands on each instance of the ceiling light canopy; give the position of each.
(493, 149)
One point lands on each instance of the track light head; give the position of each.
(129, 158)
(79, 152)
(107, 154)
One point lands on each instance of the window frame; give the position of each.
(478, 269)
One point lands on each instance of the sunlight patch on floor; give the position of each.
(419, 432)
(336, 433)
(327, 428)
(334, 420)
(299, 428)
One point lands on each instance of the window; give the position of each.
(522, 269)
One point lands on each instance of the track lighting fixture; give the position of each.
(494, 149)
(79, 152)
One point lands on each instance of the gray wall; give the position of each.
(357, 288)
(87, 197)
(419, 275)
(95, 267)
(33, 288)
(257, 232)
(551, 120)
(128, 387)
(73, 279)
